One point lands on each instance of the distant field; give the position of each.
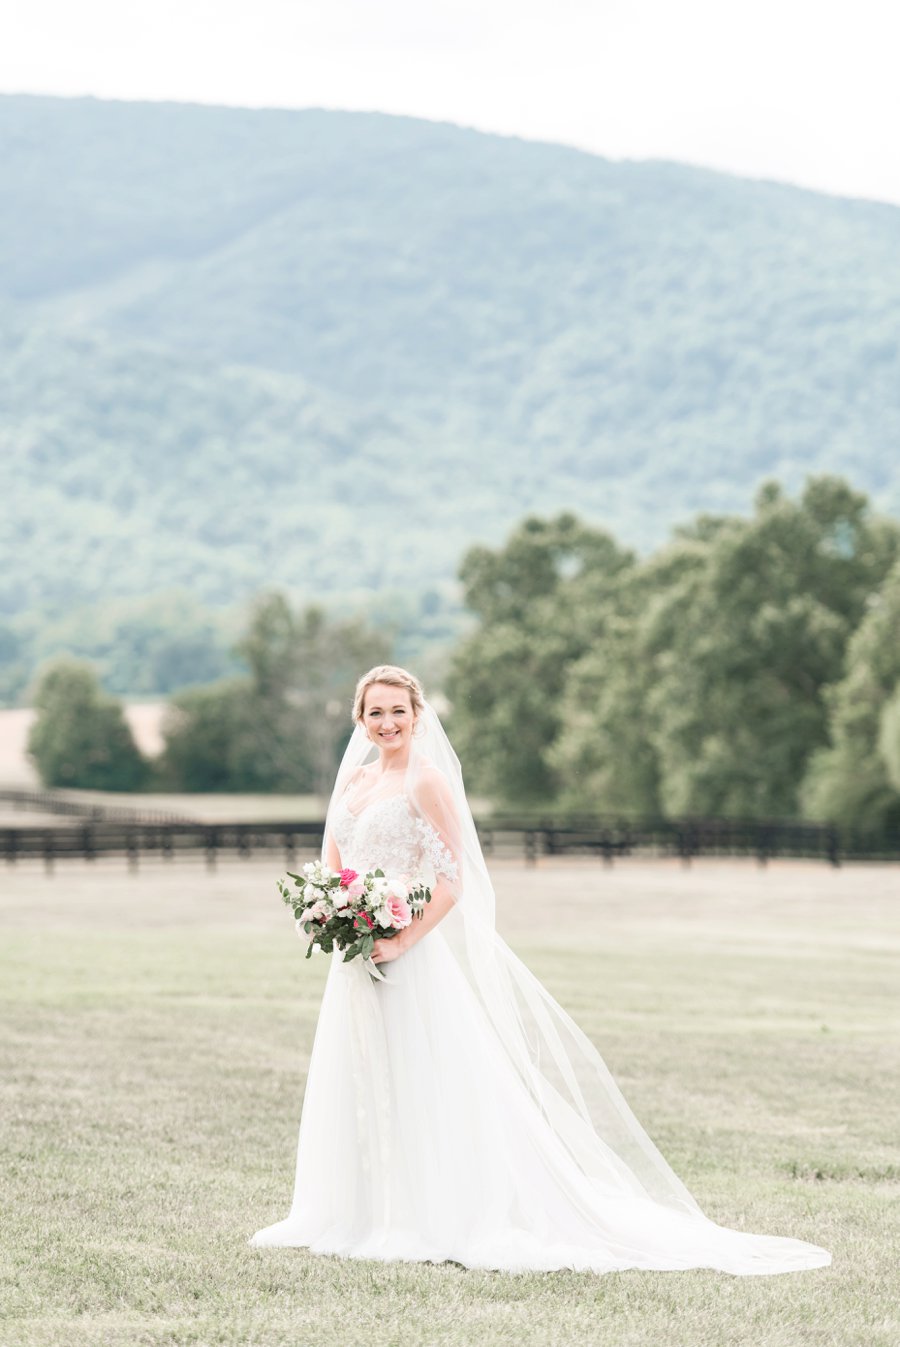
(157, 1032)
(209, 808)
(145, 719)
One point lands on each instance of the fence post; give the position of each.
(762, 850)
(49, 851)
(212, 840)
(243, 841)
(684, 845)
(530, 847)
(833, 846)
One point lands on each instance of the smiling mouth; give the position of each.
(394, 734)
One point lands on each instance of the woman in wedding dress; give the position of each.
(454, 1110)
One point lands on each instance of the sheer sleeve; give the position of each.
(438, 826)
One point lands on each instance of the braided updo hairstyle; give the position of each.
(394, 677)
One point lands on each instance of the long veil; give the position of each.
(554, 1058)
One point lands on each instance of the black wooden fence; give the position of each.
(138, 838)
(685, 838)
(143, 840)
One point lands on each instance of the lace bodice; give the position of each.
(386, 834)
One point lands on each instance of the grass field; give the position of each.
(156, 1032)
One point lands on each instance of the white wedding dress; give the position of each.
(420, 1138)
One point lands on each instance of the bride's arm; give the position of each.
(332, 855)
(442, 900)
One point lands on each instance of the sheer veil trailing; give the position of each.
(556, 1061)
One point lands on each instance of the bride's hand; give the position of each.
(385, 950)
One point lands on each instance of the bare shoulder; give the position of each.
(358, 775)
(432, 784)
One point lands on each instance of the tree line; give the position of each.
(750, 667)
(279, 727)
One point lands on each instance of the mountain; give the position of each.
(329, 350)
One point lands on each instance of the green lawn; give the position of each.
(156, 1031)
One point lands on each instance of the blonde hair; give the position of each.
(394, 677)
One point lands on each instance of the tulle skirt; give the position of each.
(419, 1141)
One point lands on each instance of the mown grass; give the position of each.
(156, 1033)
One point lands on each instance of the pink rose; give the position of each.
(399, 912)
(347, 878)
(356, 889)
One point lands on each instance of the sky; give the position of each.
(801, 91)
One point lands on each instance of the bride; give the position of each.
(454, 1110)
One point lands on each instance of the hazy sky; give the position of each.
(799, 90)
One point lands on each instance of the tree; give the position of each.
(80, 736)
(304, 670)
(692, 682)
(211, 743)
(283, 725)
(737, 702)
(889, 750)
(540, 600)
(856, 778)
(606, 755)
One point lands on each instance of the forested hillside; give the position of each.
(328, 351)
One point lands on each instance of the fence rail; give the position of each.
(604, 838)
(54, 802)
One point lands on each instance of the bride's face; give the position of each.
(388, 717)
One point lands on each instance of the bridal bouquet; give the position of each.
(350, 910)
